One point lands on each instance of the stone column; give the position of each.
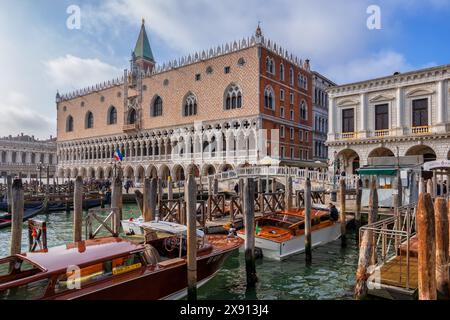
(363, 116)
(399, 106)
(441, 106)
(331, 120)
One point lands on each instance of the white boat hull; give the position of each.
(282, 250)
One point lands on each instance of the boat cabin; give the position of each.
(56, 272)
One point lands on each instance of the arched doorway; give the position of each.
(422, 150)
(208, 170)
(164, 172)
(193, 169)
(178, 172)
(348, 161)
(381, 152)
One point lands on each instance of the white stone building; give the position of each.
(320, 116)
(403, 114)
(28, 157)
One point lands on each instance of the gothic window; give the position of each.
(132, 117)
(241, 62)
(282, 72)
(270, 67)
(89, 120)
(269, 98)
(233, 97)
(69, 124)
(157, 107)
(303, 111)
(209, 70)
(166, 82)
(112, 115)
(190, 106)
(291, 76)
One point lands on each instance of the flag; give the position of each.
(118, 155)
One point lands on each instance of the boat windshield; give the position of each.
(16, 268)
(287, 218)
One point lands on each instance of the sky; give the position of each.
(40, 54)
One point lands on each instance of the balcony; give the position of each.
(131, 127)
(348, 135)
(421, 130)
(382, 133)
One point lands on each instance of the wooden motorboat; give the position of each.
(29, 212)
(114, 268)
(281, 235)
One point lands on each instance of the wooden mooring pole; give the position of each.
(342, 213)
(358, 204)
(249, 224)
(373, 215)
(77, 209)
(288, 194)
(116, 202)
(366, 247)
(426, 248)
(442, 247)
(150, 199)
(9, 192)
(308, 244)
(191, 212)
(17, 209)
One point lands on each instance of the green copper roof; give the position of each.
(143, 49)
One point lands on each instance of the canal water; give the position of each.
(331, 275)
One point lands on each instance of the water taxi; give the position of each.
(281, 235)
(115, 268)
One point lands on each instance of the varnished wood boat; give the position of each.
(113, 268)
(282, 235)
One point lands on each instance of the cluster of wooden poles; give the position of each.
(433, 233)
(150, 199)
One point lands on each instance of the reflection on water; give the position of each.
(331, 275)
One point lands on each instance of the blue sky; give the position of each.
(41, 55)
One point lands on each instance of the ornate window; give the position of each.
(269, 98)
(132, 116)
(89, 121)
(241, 62)
(303, 83)
(233, 97)
(69, 124)
(303, 110)
(190, 105)
(282, 72)
(157, 107)
(270, 67)
(112, 115)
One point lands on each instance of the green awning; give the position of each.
(377, 171)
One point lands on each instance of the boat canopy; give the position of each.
(169, 227)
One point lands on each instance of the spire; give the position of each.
(258, 30)
(143, 49)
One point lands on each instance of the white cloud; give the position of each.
(17, 116)
(381, 64)
(70, 72)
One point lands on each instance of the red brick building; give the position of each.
(202, 114)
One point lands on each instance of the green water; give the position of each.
(331, 275)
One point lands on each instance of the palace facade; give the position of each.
(234, 105)
(27, 157)
(404, 114)
(320, 115)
